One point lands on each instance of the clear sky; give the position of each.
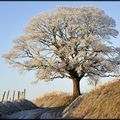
(14, 16)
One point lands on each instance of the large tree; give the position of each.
(70, 42)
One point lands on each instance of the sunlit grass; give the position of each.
(101, 103)
(53, 99)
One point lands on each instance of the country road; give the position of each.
(25, 109)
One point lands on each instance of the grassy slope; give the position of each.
(101, 103)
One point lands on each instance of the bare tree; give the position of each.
(70, 42)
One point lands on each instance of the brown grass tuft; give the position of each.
(54, 99)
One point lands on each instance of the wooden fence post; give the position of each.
(24, 93)
(7, 95)
(13, 95)
(18, 95)
(3, 96)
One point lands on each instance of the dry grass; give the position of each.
(102, 103)
(54, 99)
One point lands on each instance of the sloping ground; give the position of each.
(54, 99)
(102, 103)
(8, 108)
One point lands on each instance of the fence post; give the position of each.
(13, 95)
(24, 93)
(18, 95)
(3, 96)
(7, 95)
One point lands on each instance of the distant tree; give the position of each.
(70, 42)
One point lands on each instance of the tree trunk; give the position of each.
(76, 88)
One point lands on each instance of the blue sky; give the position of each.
(14, 16)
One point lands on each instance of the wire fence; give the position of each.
(12, 95)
